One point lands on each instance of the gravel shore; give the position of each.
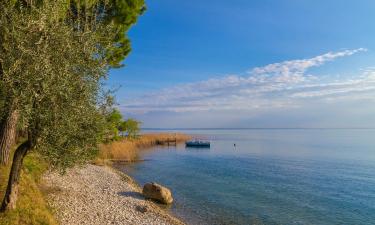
(100, 195)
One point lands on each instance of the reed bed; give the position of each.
(126, 150)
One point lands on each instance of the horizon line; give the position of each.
(263, 128)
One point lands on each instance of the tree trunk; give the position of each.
(7, 134)
(11, 194)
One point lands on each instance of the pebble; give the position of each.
(96, 195)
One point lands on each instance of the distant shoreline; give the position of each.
(264, 128)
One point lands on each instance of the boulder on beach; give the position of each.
(157, 192)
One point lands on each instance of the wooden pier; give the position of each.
(169, 142)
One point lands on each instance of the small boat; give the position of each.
(197, 144)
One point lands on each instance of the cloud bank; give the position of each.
(277, 85)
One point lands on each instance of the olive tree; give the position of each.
(81, 16)
(54, 75)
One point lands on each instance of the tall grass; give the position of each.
(127, 149)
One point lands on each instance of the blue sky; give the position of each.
(259, 63)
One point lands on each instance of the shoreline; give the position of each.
(95, 194)
(126, 150)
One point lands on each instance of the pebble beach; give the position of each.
(99, 195)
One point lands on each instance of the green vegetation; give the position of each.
(113, 120)
(130, 127)
(31, 206)
(107, 21)
(117, 127)
(53, 59)
(55, 93)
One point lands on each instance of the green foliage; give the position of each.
(113, 119)
(35, 166)
(115, 125)
(55, 82)
(54, 73)
(54, 55)
(2, 102)
(121, 14)
(131, 127)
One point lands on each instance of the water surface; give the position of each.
(274, 176)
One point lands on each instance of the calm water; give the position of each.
(270, 177)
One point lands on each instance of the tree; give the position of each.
(55, 74)
(113, 120)
(82, 16)
(115, 125)
(131, 127)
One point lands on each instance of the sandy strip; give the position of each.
(100, 195)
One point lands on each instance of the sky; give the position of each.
(250, 64)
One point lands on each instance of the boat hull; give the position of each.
(197, 145)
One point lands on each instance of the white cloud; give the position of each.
(276, 85)
(295, 68)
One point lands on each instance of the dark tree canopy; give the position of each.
(122, 14)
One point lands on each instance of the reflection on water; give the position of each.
(269, 177)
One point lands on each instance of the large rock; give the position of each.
(157, 192)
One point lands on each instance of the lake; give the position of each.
(271, 176)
